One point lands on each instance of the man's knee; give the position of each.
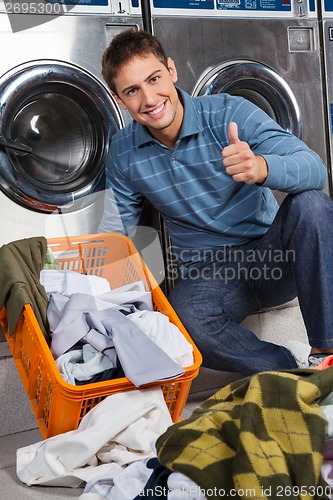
(312, 200)
(308, 205)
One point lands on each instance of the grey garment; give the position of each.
(142, 360)
(123, 297)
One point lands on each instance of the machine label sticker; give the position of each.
(229, 3)
(255, 5)
(184, 4)
(79, 2)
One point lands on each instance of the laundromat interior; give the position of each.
(276, 53)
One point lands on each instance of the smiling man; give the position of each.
(153, 100)
(208, 165)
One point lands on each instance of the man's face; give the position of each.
(146, 89)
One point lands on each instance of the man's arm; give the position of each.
(122, 205)
(261, 152)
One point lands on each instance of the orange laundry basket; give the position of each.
(57, 405)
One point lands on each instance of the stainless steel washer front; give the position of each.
(54, 102)
(259, 84)
(50, 107)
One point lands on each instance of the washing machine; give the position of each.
(326, 16)
(57, 116)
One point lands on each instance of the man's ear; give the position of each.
(172, 69)
(118, 100)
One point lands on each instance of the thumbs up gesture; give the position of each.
(240, 162)
(233, 133)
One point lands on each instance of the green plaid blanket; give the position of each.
(260, 437)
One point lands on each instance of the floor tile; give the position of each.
(13, 489)
(9, 445)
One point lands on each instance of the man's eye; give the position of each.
(155, 79)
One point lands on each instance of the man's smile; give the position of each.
(156, 111)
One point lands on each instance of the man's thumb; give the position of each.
(233, 133)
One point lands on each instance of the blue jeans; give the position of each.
(294, 258)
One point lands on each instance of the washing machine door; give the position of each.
(257, 83)
(56, 123)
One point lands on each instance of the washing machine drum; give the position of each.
(56, 124)
(257, 83)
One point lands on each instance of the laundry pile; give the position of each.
(265, 436)
(98, 333)
(111, 454)
(94, 333)
(269, 435)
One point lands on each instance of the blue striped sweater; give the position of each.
(202, 206)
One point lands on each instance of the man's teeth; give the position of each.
(156, 111)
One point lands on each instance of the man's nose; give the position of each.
(149, 96)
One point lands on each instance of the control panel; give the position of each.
(236, 8)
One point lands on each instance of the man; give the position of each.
(208, 164)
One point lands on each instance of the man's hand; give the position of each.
(240, 162)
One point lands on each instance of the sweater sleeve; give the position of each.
(296, 172)
(122, 204)
(292, 166)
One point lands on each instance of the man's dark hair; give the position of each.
(124, 47)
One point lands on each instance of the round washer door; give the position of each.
(257, 83)
(56, 123)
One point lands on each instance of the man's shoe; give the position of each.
(321, 360)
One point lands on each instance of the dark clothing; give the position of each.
(21, 262)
